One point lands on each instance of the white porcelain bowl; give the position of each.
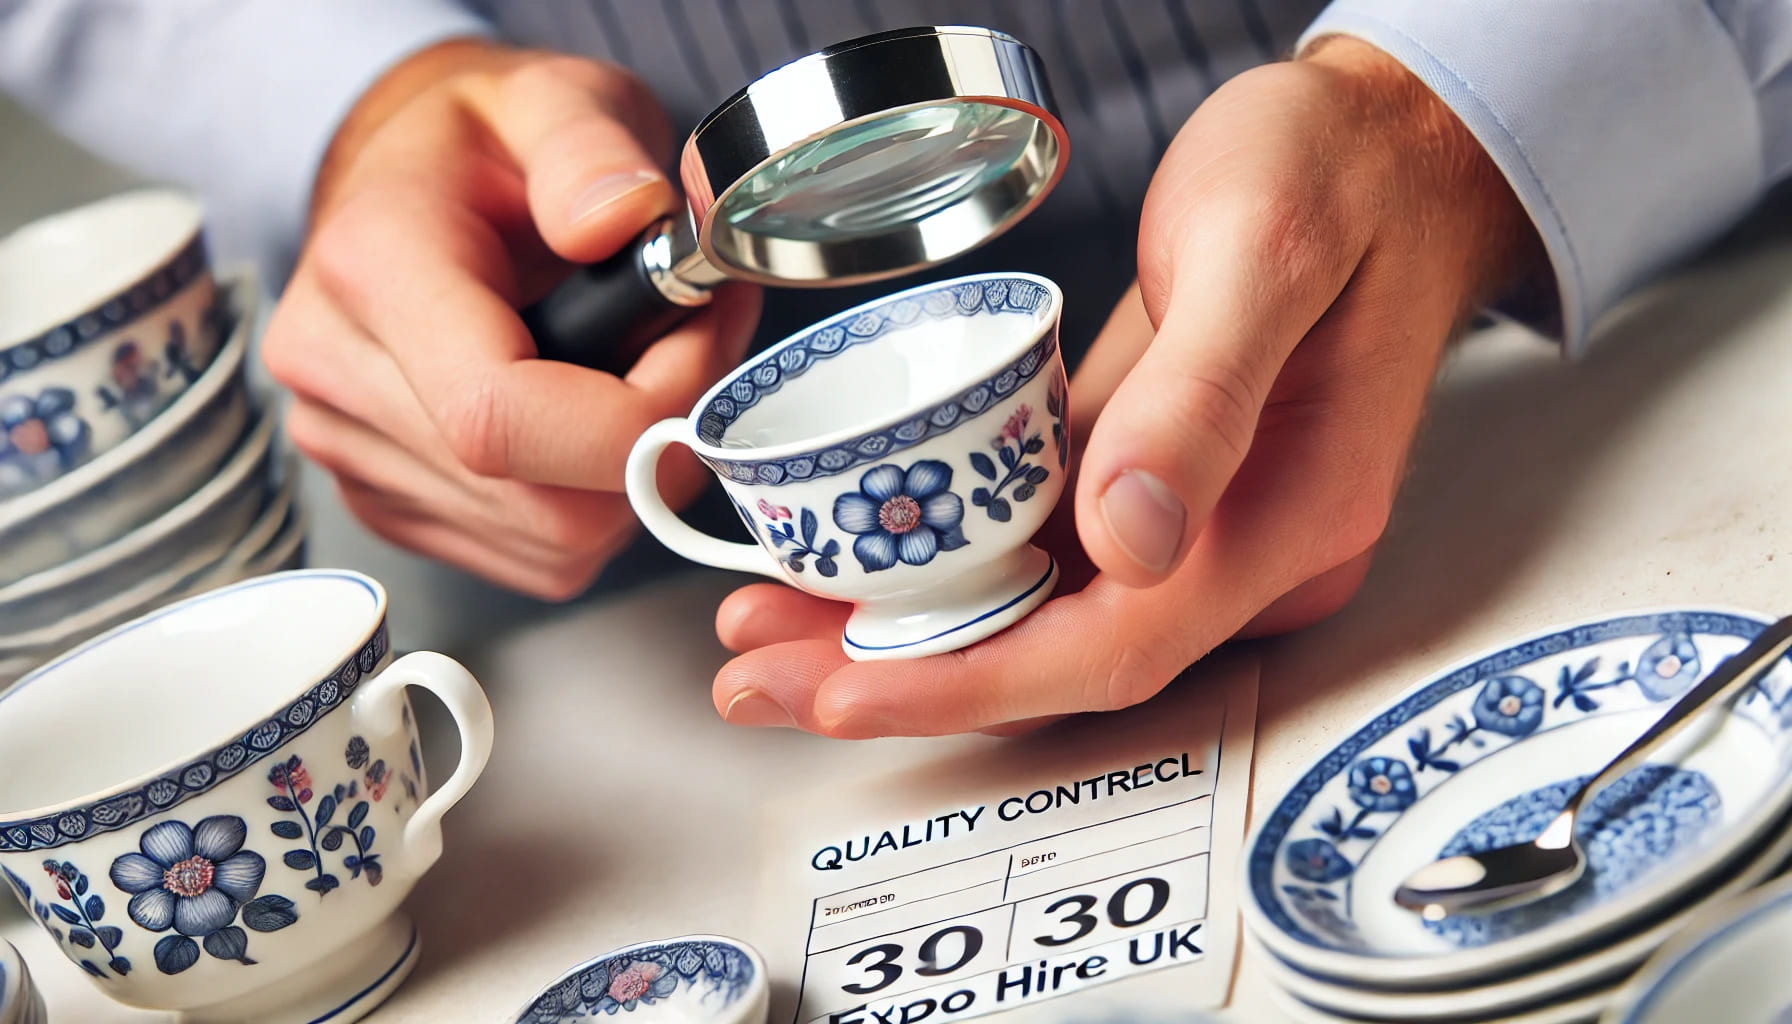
(143, 476)
(204, 526)
(106, 315)
(273, 541)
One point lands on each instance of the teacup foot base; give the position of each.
(345, 986)
(953, 617)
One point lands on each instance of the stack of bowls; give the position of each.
(1483, 755)
(20, 1002)
(137, 465)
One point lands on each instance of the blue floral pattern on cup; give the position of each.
(76, 906)
(792, 549)
(643, 977)
(196, 880)
(1013, 445)
(897, 515)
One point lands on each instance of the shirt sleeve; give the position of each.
(1632, 132)
(236, 99)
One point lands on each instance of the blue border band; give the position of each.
(119, 311)
(1049, 569)
(793, 357)
(203, 774)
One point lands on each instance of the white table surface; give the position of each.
(617, 806)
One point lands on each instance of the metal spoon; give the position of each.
(1526, 872)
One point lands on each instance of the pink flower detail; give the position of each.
(1016, 427)
(634, 982)
(773, 512)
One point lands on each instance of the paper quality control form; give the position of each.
(1094, 860)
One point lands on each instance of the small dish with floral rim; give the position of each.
(692, 979)
(1483, 754)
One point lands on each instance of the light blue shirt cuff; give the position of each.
(1629, 131)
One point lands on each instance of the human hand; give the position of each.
(461, 188)
(1313, 237)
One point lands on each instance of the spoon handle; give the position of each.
(1730, 677)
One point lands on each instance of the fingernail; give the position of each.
(752, 708)
(1145, 518)
(607, 190)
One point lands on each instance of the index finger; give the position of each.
(430, 279)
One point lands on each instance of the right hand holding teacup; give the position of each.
(1300, 272)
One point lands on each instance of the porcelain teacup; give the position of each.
(899, 455)
(218, 808)
(106, 314)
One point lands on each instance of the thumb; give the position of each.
(576, 130)
(1168, 443)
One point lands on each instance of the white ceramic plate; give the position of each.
(145, 474)
(1729, 967)
(205, 525)
(190, 575)
(1483, 754)
(693, 979)
(1573, 972)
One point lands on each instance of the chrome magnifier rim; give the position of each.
(843, 87)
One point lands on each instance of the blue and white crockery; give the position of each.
(692, 979)
(145, 474)
(1729, 966)
(1484, 753)
(217, 809)
(105, 316)
(899, 456)
(204, 525)
(1574, 971)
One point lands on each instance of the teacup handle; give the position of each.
(642, 479)
(379, 702)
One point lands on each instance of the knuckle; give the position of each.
(474, 425)
(1218, 402)
(1132, 677)
(1359, 522)
(1301, 231)
(566, 582)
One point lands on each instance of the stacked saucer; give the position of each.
(137, 465)
(1483, 755)
(20, 1002)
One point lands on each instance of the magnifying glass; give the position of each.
(880, 156)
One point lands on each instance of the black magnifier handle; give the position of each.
(604, 315)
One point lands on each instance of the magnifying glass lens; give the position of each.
(887, 173)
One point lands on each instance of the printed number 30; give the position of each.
(888, 970)
(1085, 922)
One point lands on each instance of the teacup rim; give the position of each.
(111, 290)
(761, 979)
(377, 623)
(835, 437)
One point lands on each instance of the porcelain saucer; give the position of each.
(1729, 966)
(1483, 754)
(1576, 971)
(692, 979)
